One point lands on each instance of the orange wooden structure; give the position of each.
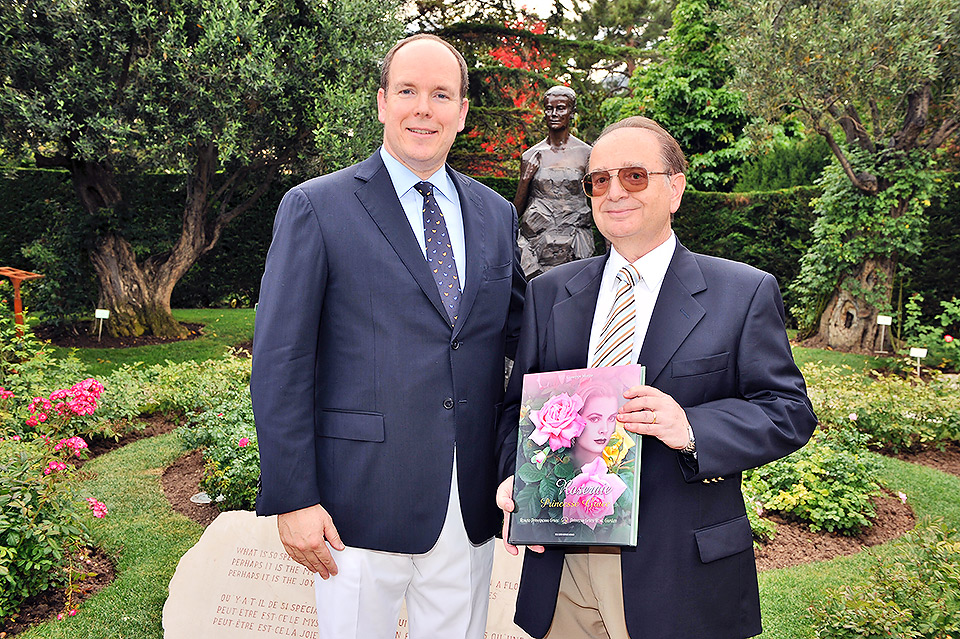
(16, 276)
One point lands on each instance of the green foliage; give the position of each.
(227, 434)
(227, 92)
(789, 163)
(939, 338)
(827, 484)
(932, 272)
(152, 87)
(770, 231)
(852, 227)
(39, 522)
(860, 64)
(913, 594)
(763, 529)
(686, 95)
(896, 413)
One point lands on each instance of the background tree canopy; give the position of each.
(878, 79)
(225, 92)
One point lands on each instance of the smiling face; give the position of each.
(421, 108)
(600, 413)
(634, 221)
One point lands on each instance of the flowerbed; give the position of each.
(47, 418)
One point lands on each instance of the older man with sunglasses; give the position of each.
(723, 395)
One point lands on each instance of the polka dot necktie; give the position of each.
(616, 339)
(439, 252)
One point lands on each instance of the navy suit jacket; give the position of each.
(716, 343)
(360, 387)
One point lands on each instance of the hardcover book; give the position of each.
(577, 477)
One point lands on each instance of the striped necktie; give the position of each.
(616, 338)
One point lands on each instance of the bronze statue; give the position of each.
(555, 222)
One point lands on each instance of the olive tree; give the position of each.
(228, 93)
(878, 79)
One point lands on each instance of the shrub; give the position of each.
(898, 413)
(41, 530)
(913, 594)
(232, 460)
(827, 484)
(943, 351)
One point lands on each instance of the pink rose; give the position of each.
(591, 495)
(243, 442)
(558, 421)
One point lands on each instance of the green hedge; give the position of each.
(769, 230)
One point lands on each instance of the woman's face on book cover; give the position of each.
(600, 413)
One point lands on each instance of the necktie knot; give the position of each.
(629, 275)
(424, 188)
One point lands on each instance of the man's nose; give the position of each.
(616, 190)
(424, 107)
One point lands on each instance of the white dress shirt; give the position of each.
(444, 192)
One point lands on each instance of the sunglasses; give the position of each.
(632, 178)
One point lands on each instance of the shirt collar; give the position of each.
(404, 179)
(652, 266)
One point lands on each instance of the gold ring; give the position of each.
(654, 417)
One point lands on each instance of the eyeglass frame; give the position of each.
(583, 180)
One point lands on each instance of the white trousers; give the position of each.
(446, 588)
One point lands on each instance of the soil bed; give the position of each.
(79, 335)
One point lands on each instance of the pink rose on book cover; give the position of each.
(591, 495)
(558, 421)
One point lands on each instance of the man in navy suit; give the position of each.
(378, 367)
(723, 395)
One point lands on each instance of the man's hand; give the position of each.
(303, 532)
(653, 412)
(505, 503)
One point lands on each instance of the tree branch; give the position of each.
(947, 128)
(918, 106)
(864, 181)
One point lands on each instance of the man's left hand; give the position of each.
(653, 412)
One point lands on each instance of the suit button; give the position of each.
(455, 345)
(448, 404)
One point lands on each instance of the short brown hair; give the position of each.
(670, 152)
(388, 59)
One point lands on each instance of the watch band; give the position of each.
(691, 446)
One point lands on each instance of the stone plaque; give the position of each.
(237, 581)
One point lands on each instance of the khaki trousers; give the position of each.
(590, 602)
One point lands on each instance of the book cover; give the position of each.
(577, 477)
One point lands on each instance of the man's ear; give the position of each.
(464, 107)
(678, 184)
(381, 104)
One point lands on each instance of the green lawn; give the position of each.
(222, 330)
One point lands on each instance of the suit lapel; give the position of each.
(379, 198)
(471, 208)
(573, 315)
(675, 314)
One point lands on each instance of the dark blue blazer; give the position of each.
(716, 343)
(360, 388)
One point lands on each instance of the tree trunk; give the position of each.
(138, 297)
(137, 294)
(849, 322)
